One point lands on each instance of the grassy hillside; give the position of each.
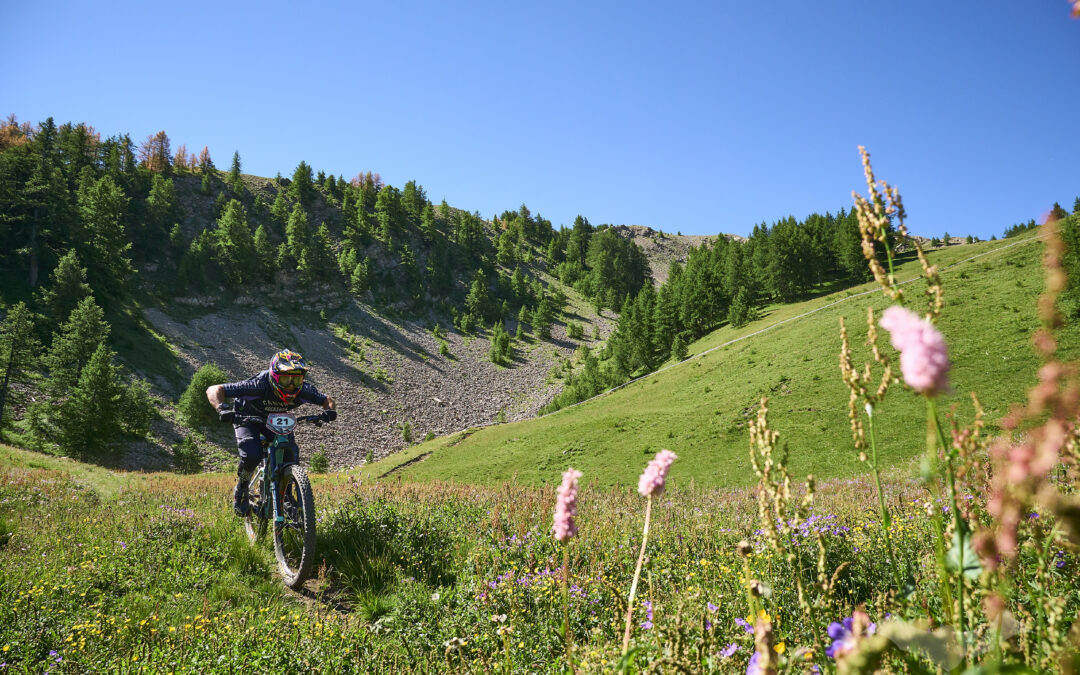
(699, 408)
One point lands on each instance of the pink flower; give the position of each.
(924, 359)
(651, 482)
(566, 506)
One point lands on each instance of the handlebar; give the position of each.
(318, 420)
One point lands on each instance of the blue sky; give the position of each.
(694, 117)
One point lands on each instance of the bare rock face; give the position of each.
(662, 248)
(391, 385)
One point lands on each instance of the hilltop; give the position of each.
(699, 407)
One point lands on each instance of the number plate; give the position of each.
(281, 423)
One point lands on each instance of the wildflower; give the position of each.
(729, 650)
(846, 635)
(651, 482)
(752, 667)
(745, 625)
(647, 623)
(564, 527)
(712, 607)
(924, 358)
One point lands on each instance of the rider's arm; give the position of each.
(215, 394)
(328, 403)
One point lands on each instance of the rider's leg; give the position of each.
(249, 446)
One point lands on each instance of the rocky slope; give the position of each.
(662, 248)
(384, 374)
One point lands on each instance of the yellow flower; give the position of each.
(780, 647)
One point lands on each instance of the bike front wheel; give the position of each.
(294, 538)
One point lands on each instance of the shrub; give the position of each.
(137, 408)
(186, 456)
(194, 407)
(319, 463)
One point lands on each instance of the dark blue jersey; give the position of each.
(256, 396)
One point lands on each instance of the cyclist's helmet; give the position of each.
(287, 370)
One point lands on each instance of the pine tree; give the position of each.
(84, 330)
(160, 212)
(66, 289)
(279, 212)
(235, 182)
(103, 208)
(427, 224)
(358, 280)
(478, 301)
(264, 254)
(88, 421)
(679, 349)
(19, 352)
(316, 261)
(302, 188)
(296, 239)
(235, 245)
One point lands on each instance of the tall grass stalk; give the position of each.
(566, 607)
(637, 575)
(886, 520)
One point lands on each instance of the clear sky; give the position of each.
(695, 117)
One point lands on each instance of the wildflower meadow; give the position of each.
(962, 562)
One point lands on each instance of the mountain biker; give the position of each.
(278, 389)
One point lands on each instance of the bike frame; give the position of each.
(273, 462)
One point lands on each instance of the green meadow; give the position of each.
(699, 408)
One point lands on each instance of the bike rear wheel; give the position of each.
(294, 539)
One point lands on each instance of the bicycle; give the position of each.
(280, 492)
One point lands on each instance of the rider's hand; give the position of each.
(328, 415)
(226, 413)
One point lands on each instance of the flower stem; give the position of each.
(566, 607)
(637, 575)
(935, 517)
(886, 521)
(958, 522)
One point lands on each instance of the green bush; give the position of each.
(186, 456)
(137, 408)
(193, 404)
(319, 463)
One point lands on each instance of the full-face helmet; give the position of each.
(287, 370)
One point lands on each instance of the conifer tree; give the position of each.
(478, 301)
(264, 254)
(235, 245)
(358, 280)
(316, 261)
(427, 223)
(206, 165)
(67, 287)
(88, 421)
(103, 207)
(19, 352)
(84, 330)
(302, 188)
(160, 211)
(543, 317)
(296, 239)
(279, 212)
(235, 182)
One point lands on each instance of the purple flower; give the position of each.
(729, 650)
(712, 607)
(651, 483)
(752, 667)
(564, 527)
(745, 626)
(924, 359)
(846, 635)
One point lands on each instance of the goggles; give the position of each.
(290, 381)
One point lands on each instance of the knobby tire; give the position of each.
(294, 542)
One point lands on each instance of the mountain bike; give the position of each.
(280, 493)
